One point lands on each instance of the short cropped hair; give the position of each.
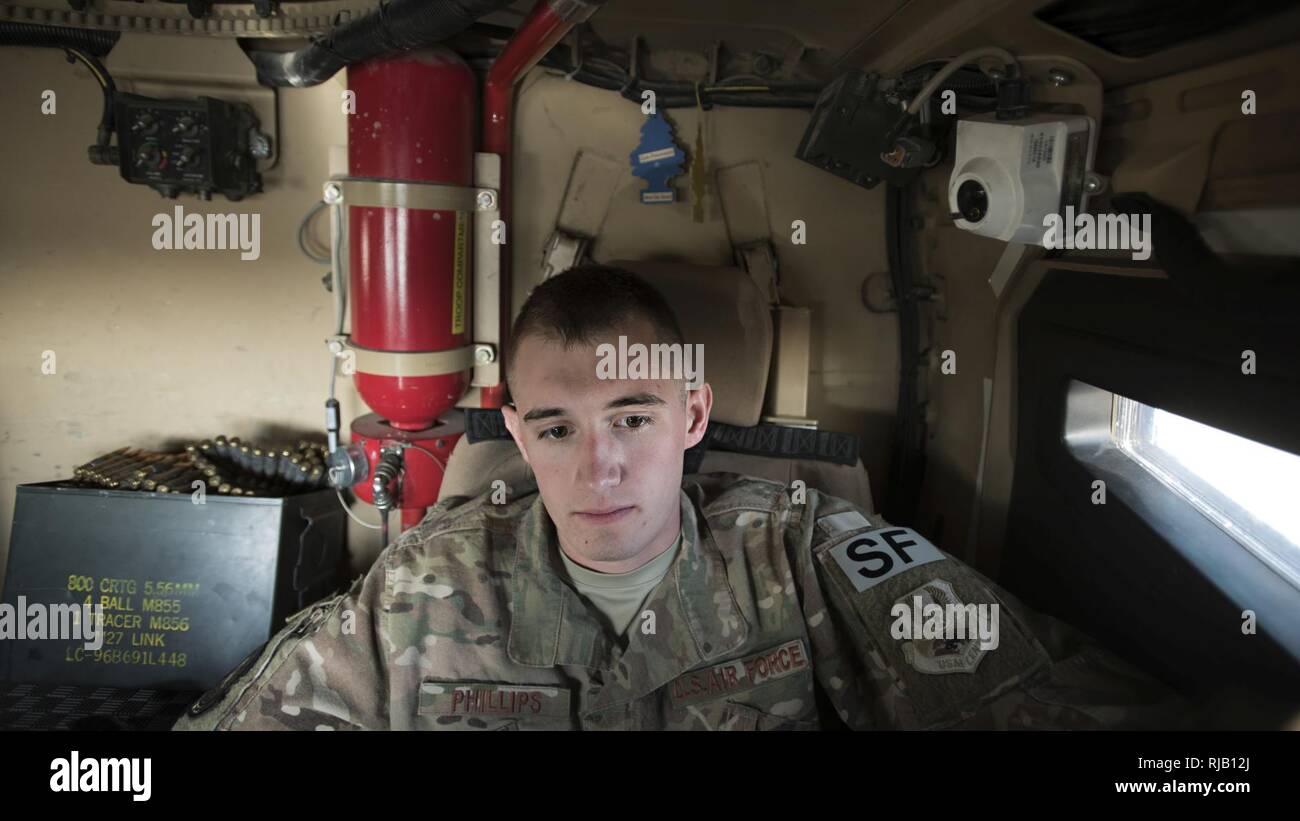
(574, 307)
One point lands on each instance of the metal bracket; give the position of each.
(486, 290)
(411, 363)
(482, 201)
(744, 210)
(759, 260)
(587, 197)
(427, 196)
(562, 252)
(878, 294)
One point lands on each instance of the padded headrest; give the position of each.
(722, 309)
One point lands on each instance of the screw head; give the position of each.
(487, 200)
(1060, 77)
(259, 144)
(333, 192)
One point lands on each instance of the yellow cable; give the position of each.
(85, 61)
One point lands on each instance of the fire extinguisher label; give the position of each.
(460, 272)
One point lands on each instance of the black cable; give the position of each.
(907, 461)
(778, 94)
(93, 43)
(100, 73)
(78, 44)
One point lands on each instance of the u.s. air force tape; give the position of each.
(870, 557)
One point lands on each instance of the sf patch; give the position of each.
(871, 557)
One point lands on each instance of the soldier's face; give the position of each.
(607, 453)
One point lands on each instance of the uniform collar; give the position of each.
(696, 617)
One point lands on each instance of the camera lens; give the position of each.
(972, 201)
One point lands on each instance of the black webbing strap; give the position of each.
(778, 441)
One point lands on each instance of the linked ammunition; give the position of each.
(174, 473)
(111, 461)
(116, 477)
(286, 464)
(181, 483)
(107, 457)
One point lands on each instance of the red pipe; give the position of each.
(547, 24)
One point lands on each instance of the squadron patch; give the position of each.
(739, 674)
(937, 649)
(867, 559)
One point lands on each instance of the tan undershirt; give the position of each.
(618, 596)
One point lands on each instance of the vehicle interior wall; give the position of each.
(155, 347)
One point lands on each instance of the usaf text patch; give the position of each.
(739, 674)
(871, 557)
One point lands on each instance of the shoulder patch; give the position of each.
(870, 557)
(939, 654)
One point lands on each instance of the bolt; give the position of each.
(487, 200)
(1094, 183)
(1060, 77)
(333, 193)
(483, 354)
(259, 144)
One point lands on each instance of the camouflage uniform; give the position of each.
(467, 623)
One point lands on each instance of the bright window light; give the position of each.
(1251, 491)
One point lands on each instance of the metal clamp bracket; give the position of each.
(427, 196)
(483, 202)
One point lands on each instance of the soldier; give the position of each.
(615, 595)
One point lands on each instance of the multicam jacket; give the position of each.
(776, 614)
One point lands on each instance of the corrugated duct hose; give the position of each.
(80, 44)
(398, 26)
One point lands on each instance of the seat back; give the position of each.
(721, 308)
